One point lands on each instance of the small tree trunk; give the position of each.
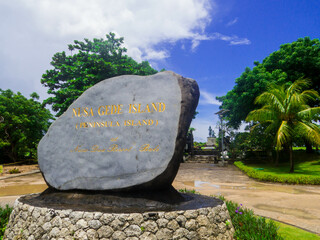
(192, 146)
(277, 158)
(308, 147)
(12, 154)
(291, 159)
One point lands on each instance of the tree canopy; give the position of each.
(286, 112)
(300, 59)
(89, 62)
(23, 123)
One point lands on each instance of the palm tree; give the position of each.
(286, 112)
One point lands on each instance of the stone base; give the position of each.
(31, 222)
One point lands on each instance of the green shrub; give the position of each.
(276, 177)
(199, 144)
(248, 226)
(1, 169)
(4, 218)
(188, 191)
(14, 170)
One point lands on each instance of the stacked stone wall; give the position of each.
(33, 223)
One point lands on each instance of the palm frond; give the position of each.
(286, 110)
(283, 134)
(254, 126)
(309, 95)
(309, 113)
(273, 126)
(309, 130)
(273, 99)
(298, 86)
(261, 115)
(293, 103)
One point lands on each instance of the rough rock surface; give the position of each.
(122, 202)
(30, 222)
(124, 133)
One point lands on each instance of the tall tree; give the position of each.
(23, 122)
(92, 62)
(285, 110)
(300, 59)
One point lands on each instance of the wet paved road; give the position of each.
(293, 204)
(13, 187)
(298, 205)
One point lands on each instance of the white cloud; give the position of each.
(196, 40)
(232, 22)
(233, 40)
(34, 30)
(143, 24)
(202, 125)
(208, 98)
(240, 41)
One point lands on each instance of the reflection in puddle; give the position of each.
(200, 183)
(22, 189)
(189, 183)
(289, 211)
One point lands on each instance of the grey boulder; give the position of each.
(124, 133)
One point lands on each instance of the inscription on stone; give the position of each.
(123, 133)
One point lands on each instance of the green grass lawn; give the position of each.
(306, 164)
(293, 233)
(307, 170)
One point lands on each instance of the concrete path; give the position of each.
(298, 205)
(13, 187)
(294, 204)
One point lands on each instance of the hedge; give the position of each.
(276, 177)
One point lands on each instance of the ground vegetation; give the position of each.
(23, 122)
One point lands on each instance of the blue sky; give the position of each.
(216, 64)
(209, 41)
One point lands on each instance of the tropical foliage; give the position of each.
(89, 62)
(300, 59)
(23, 122)
(285, 111)
(4, 218)
(249, 226)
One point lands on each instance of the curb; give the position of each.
(20, 174)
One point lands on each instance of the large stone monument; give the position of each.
(123, 133)
(109, 162)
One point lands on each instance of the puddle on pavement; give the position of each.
(253, 186)
(22, 189)
(289, 211)
(200, 183)
(203, 184)
(189, 183)
(281, 188)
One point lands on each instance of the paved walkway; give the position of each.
(13, 187)
(293, 204)
(298, 205)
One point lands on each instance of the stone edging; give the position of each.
(31, 223)
(20, 174)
